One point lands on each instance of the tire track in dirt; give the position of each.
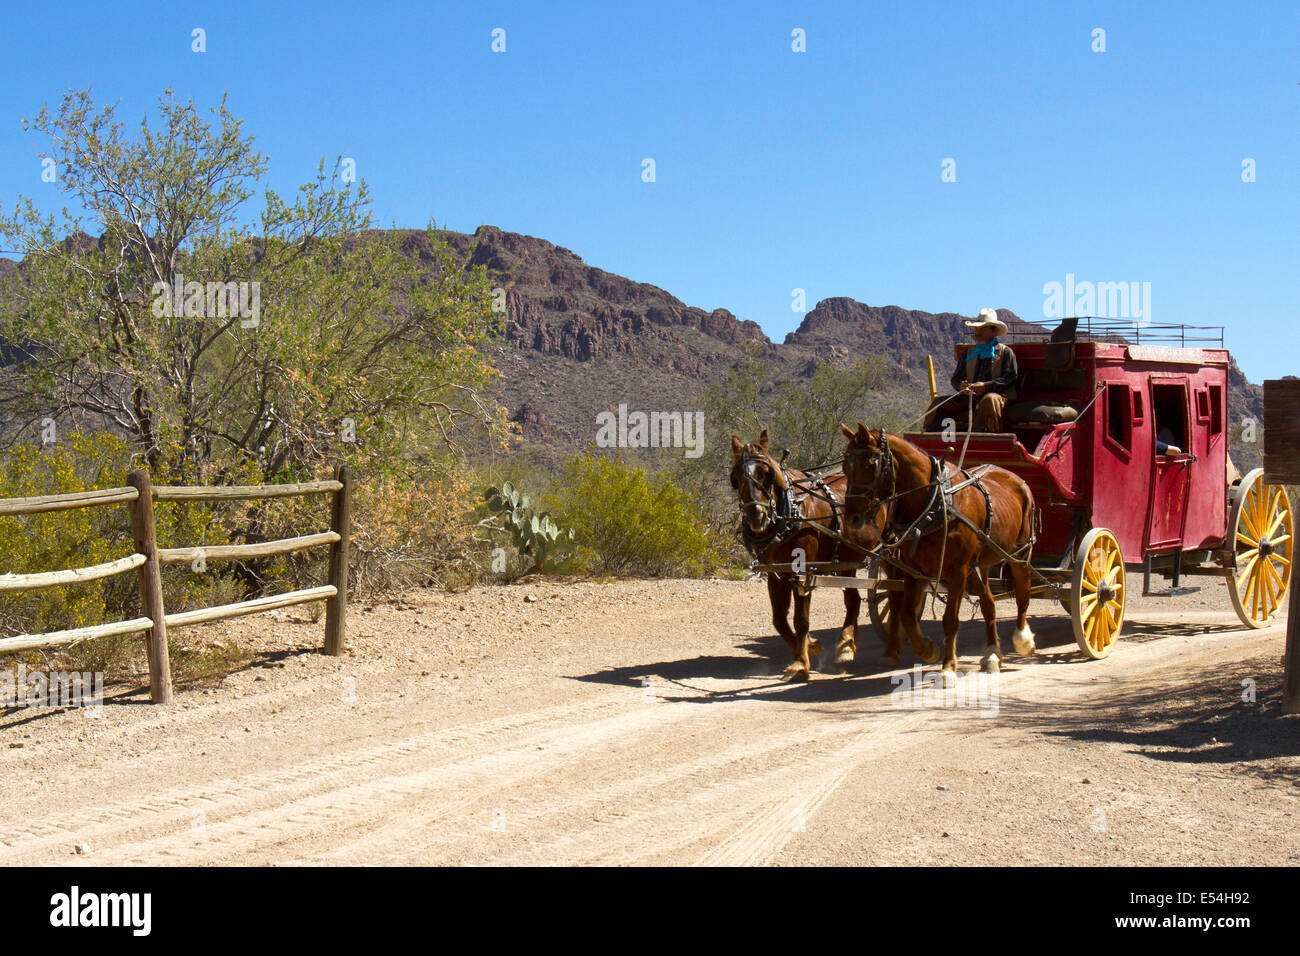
(246, 830)
(222, 797)
(660, 790)
(722, 773)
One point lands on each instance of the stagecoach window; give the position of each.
(1119, 415)
(1169, 405)
(1216, 409)
(1202, 405)
(1137, 407)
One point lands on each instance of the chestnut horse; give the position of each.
(885, 471)
(773, 533)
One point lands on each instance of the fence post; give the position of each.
(151, 599)
(340, 522)
(1291, 682)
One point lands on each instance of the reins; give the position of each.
(941, 492)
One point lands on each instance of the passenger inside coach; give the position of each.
(1167, 404)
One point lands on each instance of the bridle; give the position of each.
(771, 507)
(785, 505)
(882, 464)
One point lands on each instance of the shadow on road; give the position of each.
(765, 658)
(1207, 720)
(1202, 721)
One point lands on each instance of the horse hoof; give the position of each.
(928, 653)
(845, 654)
(949, 679)
(1023, 641)
(795, 673)
(815, 646)
(992, 663)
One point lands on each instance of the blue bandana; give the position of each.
(984, 350)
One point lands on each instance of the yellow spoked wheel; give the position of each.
(1097, 593)
(1260, 524)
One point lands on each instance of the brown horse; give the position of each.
(774, 537)
(886, 471)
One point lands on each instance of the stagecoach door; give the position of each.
(1171, 473)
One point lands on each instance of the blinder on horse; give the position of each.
(882, 464)
(785, 512)
(938, 507)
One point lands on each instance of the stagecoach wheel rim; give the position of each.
(878, 609)
(1097, 593)
(1261, 520)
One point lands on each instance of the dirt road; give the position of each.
(644, 722)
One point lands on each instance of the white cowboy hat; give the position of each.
(989, 317)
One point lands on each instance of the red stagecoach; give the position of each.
(1093, 398)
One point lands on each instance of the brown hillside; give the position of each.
(578, 340)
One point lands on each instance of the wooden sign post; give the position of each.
(1282, 467)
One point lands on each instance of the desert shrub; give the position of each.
(61, 539)
(630, 522)
(415, 528)
(87, 536)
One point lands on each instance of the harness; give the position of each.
(937, 512)
(786, 507)
(939, 507)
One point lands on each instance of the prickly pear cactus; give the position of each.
(534, 533)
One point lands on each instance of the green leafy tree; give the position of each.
(302, 335)
(805, 416)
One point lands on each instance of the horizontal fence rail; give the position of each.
(235, 552)
(234, 492)
(25, 642)
(149, 559)
(50, 579)
(254, 606)
(75, 499)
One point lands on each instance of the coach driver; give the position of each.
(985, 377)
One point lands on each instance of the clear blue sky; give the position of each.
(775, 169)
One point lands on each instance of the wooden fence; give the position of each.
(149, 559)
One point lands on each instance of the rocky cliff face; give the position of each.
(558, 305)
(905, 335)
(578, 340)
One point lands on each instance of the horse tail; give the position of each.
(1026, 520)
(1027, 511)
(1022, 638)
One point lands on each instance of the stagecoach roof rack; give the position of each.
(1091, 328)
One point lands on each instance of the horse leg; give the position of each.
(801, 669)
(778, 592)
(908, 608)
(988, 607)
(1022, 638)
(956, 584)
(848, 647)
(893, 653)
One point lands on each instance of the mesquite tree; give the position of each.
(223, 333)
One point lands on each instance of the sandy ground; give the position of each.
(645, 722)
